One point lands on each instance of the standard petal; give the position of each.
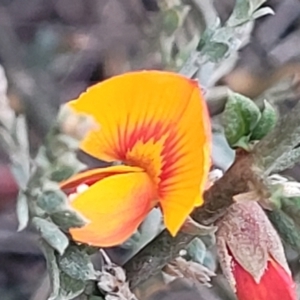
(157, 121)
(115, 207)
(132, 107)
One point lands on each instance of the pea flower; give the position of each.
(157, 125)
(251, 255)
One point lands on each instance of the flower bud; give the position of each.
(251, 255)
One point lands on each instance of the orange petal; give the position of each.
(157, 121)
(115, 207)
(89, 177)
(275, 284)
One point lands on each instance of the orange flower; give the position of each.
(155, 123)
(251, 255)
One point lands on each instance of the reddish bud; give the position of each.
(252, 256)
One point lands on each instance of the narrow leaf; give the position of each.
(52, 269)
(51, 234)
(68, 218)
(77, 264)
(22, 211)
(52, 201)
(286, 228)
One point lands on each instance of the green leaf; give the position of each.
(286, 228)
(22, 211)
(197, 250)
(77, 264)
(68, 218)
(52, 198)
(266, 123)
(51, 234)
(240, 116)
(52, 269)
(70, 287)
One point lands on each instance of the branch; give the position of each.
(164, 248)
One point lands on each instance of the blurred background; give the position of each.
(52, 50)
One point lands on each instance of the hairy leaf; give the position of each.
(22, 211)
(77, 264)
(51, 234)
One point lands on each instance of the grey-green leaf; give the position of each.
(77, 264)
(22, 211)
(291, 206)
(266, 123)
(286, 228)
(53, 270)
(60, 173)
(197, 250)
(288, 160)
(51, 234)
(215, 51)
(52, 200)
(70, 287)
(68, 218)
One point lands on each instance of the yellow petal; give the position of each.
(115, 207)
